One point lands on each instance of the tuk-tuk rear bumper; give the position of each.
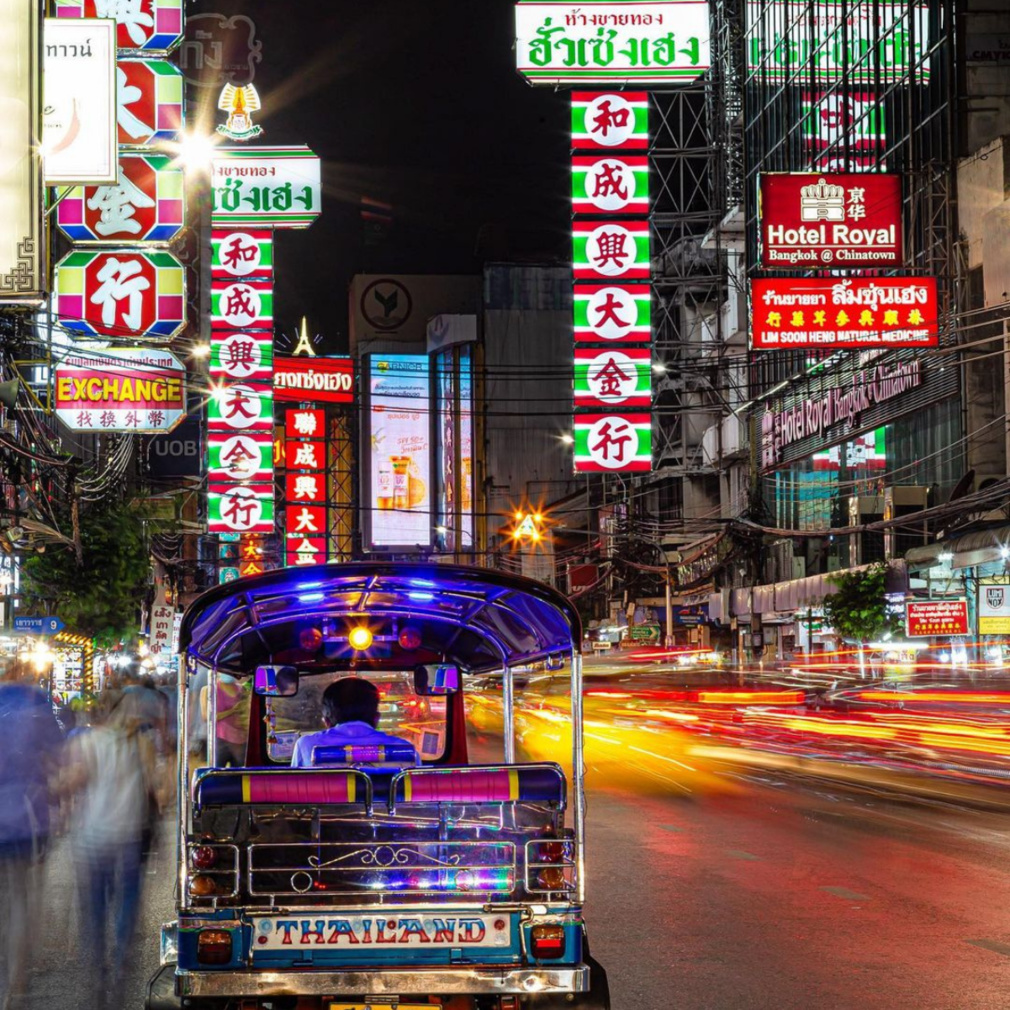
(469, 980)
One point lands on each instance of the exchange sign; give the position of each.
(816, 221)
(613, 184)
(994, 606)
(605, 250)
(152, 27)
(925, 618)
(146, 204)
(610, 120)
(843, 312)
(121, 293)
(613, 378)
(149, 102)
(120, 389)
(608, 313)
(565, 43)
(612, 443)
(241, 254)
(276, 187)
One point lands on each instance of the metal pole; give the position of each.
(182, 789)
(669, 610)
(578, 774)
(508, 699)
(212, 717)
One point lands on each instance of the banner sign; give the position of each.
(240, 457)
(241, 254)
(612, 43)
(149, 102)
(240, 508)
(398, 441)
(240, 407)
(844, 312)
(79, 107)
(242, 357)
(813, 221)
(151, 27)
(22, 239)
(607, 120)
(611, 249)
(276, 187)
(613, 378)
(305, 424)
(613, 442)
(606, 313)
(242, 305)
(994, 606)
(121, 293)
(146, 204)
(313, 379)
(925, 618)
(134, 389)
(614, 184)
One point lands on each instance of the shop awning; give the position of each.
(979, 547)
(784, 597)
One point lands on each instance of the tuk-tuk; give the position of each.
(397, 876)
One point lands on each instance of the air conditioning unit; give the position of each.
(865, 548)
(901, 501)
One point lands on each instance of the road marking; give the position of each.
(740, 854)
(999, 948)
(670, 827)
(844, 892)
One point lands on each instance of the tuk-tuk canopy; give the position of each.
(475, 618)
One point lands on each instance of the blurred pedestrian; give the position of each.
(115, 765)
(232, 719)
(30, 742)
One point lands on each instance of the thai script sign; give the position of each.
(276, 187)
(319, 380)
(79, 109)
(605, 121)
(994, 606)
(242, 254)
(120, 389)
(566, 43)
(22, 263)
(841, 405)
(610, 250)
(145, 204)
(121, 293)
(613, 378)
(844, 312)
(608, 313)
(925, 618)
(786, 40)
(151, 27)
(149, 102)
(610, 442)
(613, 184)
(812, 221)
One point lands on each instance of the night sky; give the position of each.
(417, 105)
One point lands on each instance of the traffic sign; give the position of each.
(38, 625)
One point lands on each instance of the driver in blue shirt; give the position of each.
(350, 710)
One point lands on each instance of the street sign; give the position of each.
(38, 625)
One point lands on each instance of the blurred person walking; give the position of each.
(115, 778)
(30, 743)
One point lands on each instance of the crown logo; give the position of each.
(240, 103)
(822, 202)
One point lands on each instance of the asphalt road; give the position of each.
(781, 896)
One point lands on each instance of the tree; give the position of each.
(101, 594)
(859, 610)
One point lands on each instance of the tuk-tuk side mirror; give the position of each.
(436, 680)
(276, 681)
(555, 662)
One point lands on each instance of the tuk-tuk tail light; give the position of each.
(213, 946)
(547, 942)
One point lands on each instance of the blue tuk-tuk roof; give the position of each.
(475, 618)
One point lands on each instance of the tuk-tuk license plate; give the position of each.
(311, 931)
(381, 1006)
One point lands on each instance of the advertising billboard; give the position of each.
(120, 389)
(79, 117)
(266, 187)
(858, 312)
(994, 606)
(820, 220)
(610, 443)
(606, 313)
(313, 380)
(612, 43)
(925, 618)
(22, 263)
(608, 120)
(398, 447)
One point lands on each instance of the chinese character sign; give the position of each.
(844, 312)
(612, 314)
(121, 293)
(148, 102)
(240, 457)
(240, 508)
(305, 424)
(242, 305)
(150, 27)
(613, 378)
(613, 184)
(240, 407)
(242, 357)
(610, 250)
(241, 255)
(924, 618)
(610, 120)
(612, 442)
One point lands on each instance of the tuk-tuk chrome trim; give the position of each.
(469, 980)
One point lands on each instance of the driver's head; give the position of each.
(351, 700)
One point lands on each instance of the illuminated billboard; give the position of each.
(398, 448)
(853, 312)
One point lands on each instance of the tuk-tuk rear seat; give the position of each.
(284, 787)
(532, 783)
